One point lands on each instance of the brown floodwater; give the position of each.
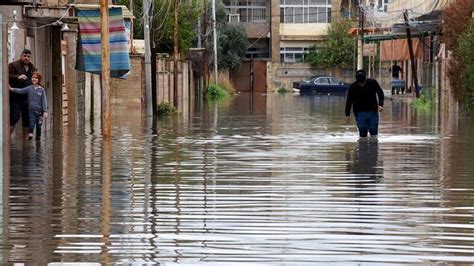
(276, 179)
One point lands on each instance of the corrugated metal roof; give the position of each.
(385, 37)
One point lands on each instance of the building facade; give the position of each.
(282, 30)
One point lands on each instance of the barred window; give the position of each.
(293, 54)
(383, 4)
(305, 11)
(246, 10)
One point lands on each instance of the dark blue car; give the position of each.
(321, 84)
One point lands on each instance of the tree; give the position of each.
(456, 17)
(188, 14)
(232, 46)
(232, 41)
(466, 52)
(337, 50)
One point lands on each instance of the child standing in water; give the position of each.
(37, 104)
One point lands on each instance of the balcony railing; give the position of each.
(248, 14)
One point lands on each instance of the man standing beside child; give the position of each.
(20, 73)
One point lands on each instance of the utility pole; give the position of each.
(360, 42)
(131, 26)
(154, 94)
(214, 33)
(350, 9)
(412, 55)
(175, 55)
(146, 33)
(105, 81)
(206, 51)
(199, 41)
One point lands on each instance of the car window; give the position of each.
(334, 81)
(321, 81)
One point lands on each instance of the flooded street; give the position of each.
(277, 179)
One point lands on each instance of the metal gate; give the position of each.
(251, 77)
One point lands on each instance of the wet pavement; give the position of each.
(277, 179)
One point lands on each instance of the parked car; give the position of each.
(321, 84)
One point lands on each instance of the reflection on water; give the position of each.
(258, 179)
(365, 164)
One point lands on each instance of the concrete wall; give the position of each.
(16, 40)
(165, 84)
(257, 29)
(4, 118)
(71, 77)
(282, 75)
(275, 31)
(303, 31)
(130, 93)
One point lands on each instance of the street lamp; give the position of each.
(14, 25)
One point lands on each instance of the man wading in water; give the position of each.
(362, 96)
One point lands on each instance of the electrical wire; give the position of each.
(260, 37)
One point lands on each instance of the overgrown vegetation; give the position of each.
(225, 83)
(216, 92)
(165, 109)
(466, 52)
(422, 103)
(456, 17)
(337, 50)
(426, 100)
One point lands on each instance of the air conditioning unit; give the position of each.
(233, 18)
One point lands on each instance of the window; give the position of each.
(324, 81)
(305, 11)
(293, 54)
(246, 10)
(383, 4)
(334, 81)
(257, 53)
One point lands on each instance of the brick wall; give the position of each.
(128, 93)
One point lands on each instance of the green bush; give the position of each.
(282, 90)
(423, 103)
(215, 92)
(165, 109)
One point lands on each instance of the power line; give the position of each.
(56, 22)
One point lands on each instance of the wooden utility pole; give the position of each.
(154, 94)
(214, 34)
(105, 81)
(175, 55)
(131, 26)
(206, 52)
(412, 55)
